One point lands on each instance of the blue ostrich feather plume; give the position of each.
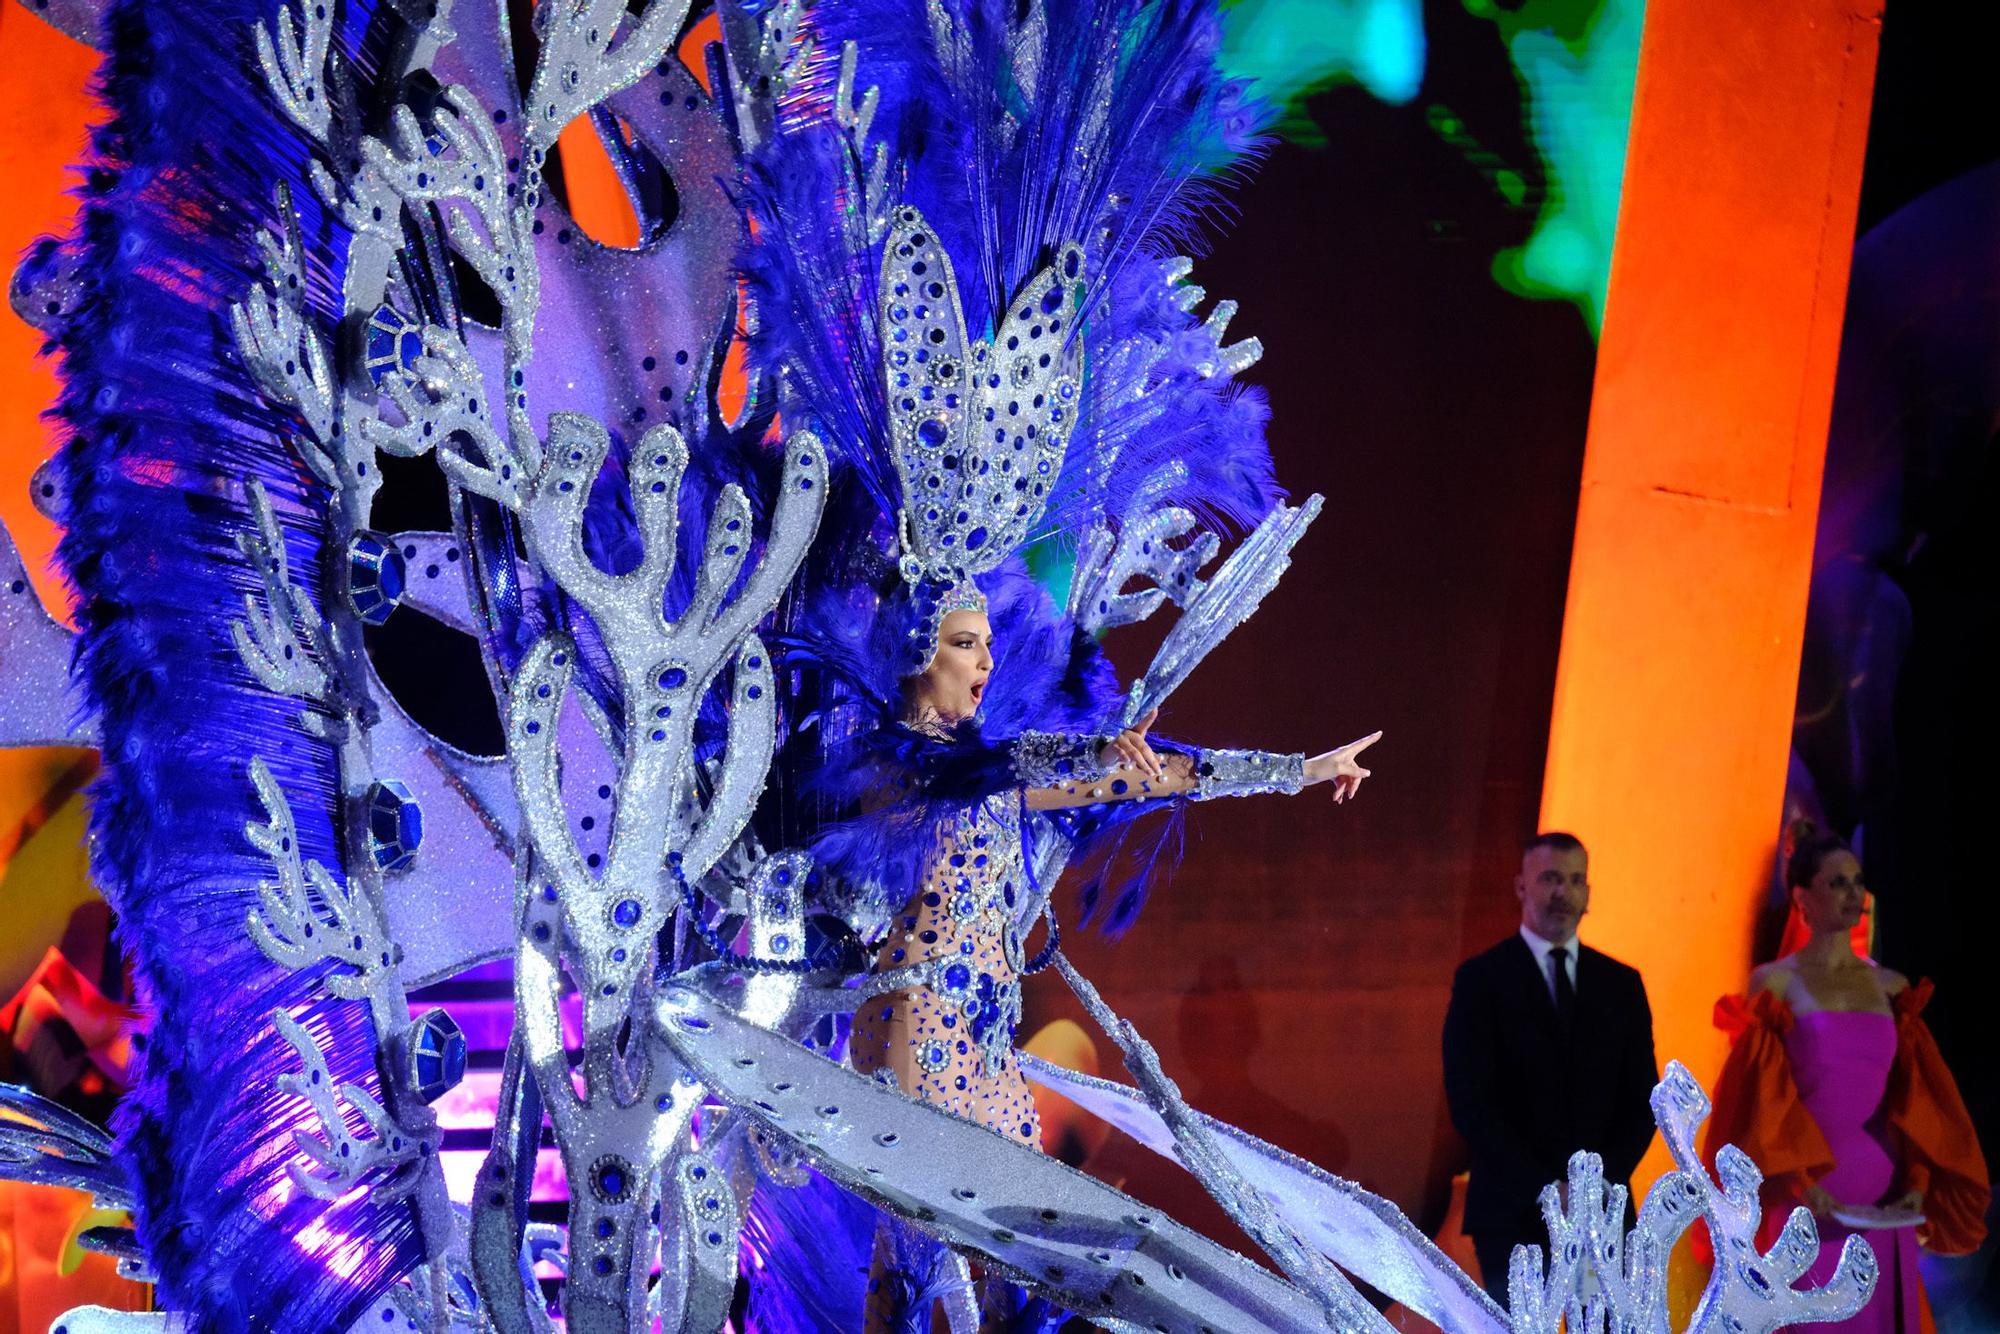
(1154, 394)
(164, 429)
(1015, 129)
(1021, 127)
(806, 1253)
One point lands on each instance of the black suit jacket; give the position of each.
(1526, 1095)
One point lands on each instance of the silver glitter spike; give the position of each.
(1363, 1233)
(1016, 1211)
(1198, 1149)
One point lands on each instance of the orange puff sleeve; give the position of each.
(1933, 1134)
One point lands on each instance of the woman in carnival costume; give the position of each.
(947, 1037)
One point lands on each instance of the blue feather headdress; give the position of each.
(1013, 133)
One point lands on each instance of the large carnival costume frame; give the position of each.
(322, 232)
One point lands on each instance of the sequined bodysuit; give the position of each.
(948, 1038)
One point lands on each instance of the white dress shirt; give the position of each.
(1541, 950)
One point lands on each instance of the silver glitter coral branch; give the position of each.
(304, 915)
(283, 642)
(278, 343)
(1751, 1291)
(293, 58)
(634, 1104)
(663, 669)
(1141, 546)
(580, 66)
(384, 1157)
(1228, 360)
(1598, 1277)
(461, 165)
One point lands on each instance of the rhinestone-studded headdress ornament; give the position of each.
(977, 429)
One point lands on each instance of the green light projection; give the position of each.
(1578, 61)
(1291, 48)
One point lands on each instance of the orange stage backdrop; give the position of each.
(45, 109)
(1694, 535)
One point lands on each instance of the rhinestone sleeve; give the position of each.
(1047, 759)
(1245, 773)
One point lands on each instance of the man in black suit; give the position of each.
(1548, 1048)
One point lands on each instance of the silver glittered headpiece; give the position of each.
(929, 603)
(977, 429)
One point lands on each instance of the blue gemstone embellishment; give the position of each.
(434, 1050)
(395, 825)
(376, 577)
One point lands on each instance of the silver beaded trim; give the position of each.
(1046, 759)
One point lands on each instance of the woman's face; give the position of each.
(952, 686)
(1837, 895)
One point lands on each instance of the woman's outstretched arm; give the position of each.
(1129, 769)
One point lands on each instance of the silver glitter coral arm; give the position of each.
(579, 67)
(305, 915)
(292, 55)
(276, 338)
(283, 642)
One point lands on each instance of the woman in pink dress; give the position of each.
(1835, 1089)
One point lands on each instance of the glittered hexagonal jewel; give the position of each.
(376, 577)
(434, 1054)
(394, 342)
(395, 825)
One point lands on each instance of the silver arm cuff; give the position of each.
(1244, 773)
(1050, 759)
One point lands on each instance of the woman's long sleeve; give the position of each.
(1933, 1134)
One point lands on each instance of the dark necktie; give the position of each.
(1565, 989)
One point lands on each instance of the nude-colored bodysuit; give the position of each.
(951, 1042)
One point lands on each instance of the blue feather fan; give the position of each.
(164, 428)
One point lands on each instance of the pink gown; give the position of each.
(1841, 1063)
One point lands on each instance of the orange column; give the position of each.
(1701, 480)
